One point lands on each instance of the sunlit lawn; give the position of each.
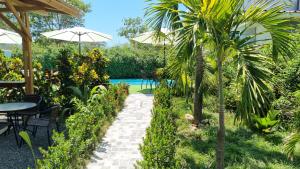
(135, 89)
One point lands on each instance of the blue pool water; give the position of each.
(129, 81)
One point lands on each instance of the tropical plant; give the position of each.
(190, 32)
(225, 22)
(265, 124)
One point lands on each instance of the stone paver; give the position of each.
(120, 146)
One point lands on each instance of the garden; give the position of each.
(224, 96)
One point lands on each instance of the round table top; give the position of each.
(15, 107)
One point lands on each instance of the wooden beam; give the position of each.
(61, 6)
(10, 24)
(21, 23)
(21, 9)
(57, 6)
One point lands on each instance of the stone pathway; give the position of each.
(120, 146)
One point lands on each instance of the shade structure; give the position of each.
(78, 34)
(164, 37)
(8, 37)
(20, 23)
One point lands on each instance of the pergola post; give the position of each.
(20, 9)
(27, 55)
(24, 26)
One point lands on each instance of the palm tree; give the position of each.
(166, 13)
(224, 24)
(227, 20)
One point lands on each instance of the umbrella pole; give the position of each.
(79, 44)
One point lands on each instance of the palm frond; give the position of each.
(290, 145)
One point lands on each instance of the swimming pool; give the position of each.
(130, 81)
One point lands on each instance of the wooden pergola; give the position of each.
(20, 10)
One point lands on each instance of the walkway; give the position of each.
(120, 146)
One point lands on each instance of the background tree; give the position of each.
(132, 27)
(56, 21)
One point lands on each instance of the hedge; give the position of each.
(74, 146)
(160, 143)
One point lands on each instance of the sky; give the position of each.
(106, 16)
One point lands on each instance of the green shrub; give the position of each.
(266, 124)
(287, 105)
(128, 61)
(162, 96)
(82, 129)
(159, 148)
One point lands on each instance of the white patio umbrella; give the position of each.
(78, 34)
(8, 37)
(151, 38)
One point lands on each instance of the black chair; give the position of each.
(25, 115)
(47, 118)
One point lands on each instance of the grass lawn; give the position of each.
(135, 89)
(243, 148)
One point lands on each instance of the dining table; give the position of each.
(12, 111)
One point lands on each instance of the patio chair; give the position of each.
(47, 118)
(31, 112)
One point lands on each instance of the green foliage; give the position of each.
(288, 106)
(90, 69)
(292, 142)
(160, 143)
(244, 148)
(265, 124)
(162, 96)
(55, 21)
(159, 146)
(287, 78)
(11, 70)
(292, 145)
(127, 61)
(80, 71)
(24, 135)
(69, 151)
(132, 27)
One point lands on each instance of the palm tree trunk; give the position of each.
(221, 129)
(198, 94)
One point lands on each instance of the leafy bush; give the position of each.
(11, 70)
(287, 78)
(68, 149)
(265, 124)
(162, 96)
(159, 147)
(74, 70)
(287, 106)
(133, 62)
